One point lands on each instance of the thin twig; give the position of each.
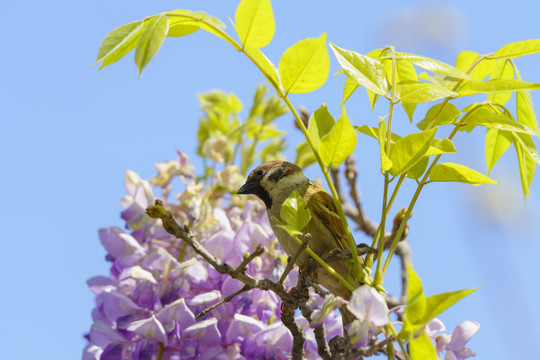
(258, 251)
(292, 259)
(173, 228)
(351, 174)
(227, 299)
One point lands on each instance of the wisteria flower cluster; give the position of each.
(157, 286)
(163, 301)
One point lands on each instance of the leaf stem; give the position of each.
(423, 182)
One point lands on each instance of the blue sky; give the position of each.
(69, 133)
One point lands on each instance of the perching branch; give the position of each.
(290, 302)
(172, 227)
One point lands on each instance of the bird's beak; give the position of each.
(249, 187)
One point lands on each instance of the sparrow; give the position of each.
(273, 182)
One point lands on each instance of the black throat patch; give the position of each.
(264, 196)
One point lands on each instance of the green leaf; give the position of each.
(374, 132)
(447, 82)
(320, 124)
(119, 42)
(266, 64)
(497, 142)
(304, 66)
(422, 348)
(503, 71)
(526, 142)
(207, 22)
(458, 173)
(439, 147)
(433, 65)
(150, 41)
(527, 167)
(419, 168)
(517, 49)
(419, 92)
(404, 72)
(295, 212)
(363, 69)
(339, 143)
(304, 155)
(447, 115)
(273, 150)
(348, 89)
(484, 67)
(386, 163)
(524, 107)
(416, 300)
(181, 26)
(408, 150)
(255, 23)
(499, 122)
(495, 87)
(436, 304)
(416, 305)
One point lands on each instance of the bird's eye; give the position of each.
(260, 172)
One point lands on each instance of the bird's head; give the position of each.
(272, 180)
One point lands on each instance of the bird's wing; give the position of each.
(321, 205)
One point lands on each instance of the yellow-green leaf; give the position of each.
(150, 41)
(416, 305)
(439, 147)
(517, 49)
(422, 348)
(181, 26)
(295, 212)
(527, 167)
(208, 23)
(419, 168)
(437, 304)
(404, 72)
(482, 69)
(503, 71)
(528, 145)
(443, 116)
(408, 150)
(374, 132)
(320, 124)
(119, 42)
(348, 89)
(495, 86)
(363, 69)
(339, 143)
(499, 122)
(433, 65)
(458, 173)
(497, 142)
(255, 23)
(419, 92)
(524, 106)
(270, 70)
(304, 66)
(444, 81)
(304, 155)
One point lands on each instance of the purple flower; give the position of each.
(368, 306)
(331, 303)
(455, 345)
(372, 312)
(157, 284)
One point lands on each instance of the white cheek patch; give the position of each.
(284, 186)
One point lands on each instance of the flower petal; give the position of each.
(150, 328)
(368, 305)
